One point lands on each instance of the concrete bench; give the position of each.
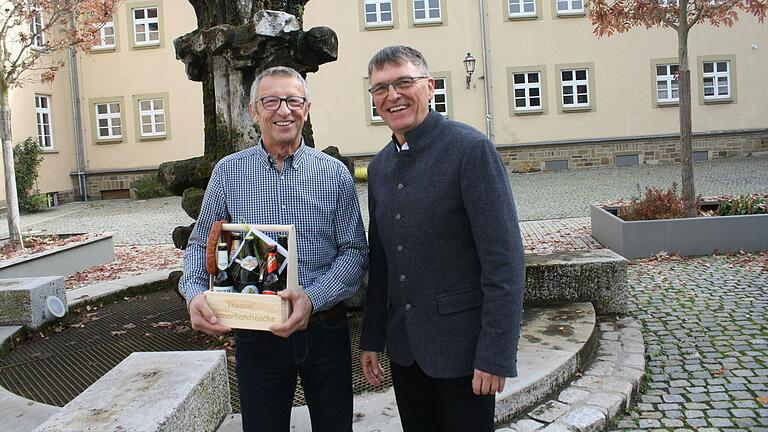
(598, 276)
(152, 392)
(23, 301)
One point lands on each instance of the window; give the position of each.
(378, 13)
(36, 26)
(106, 36)
(439, 101)
(108, 121)
(717, 80)
(565, 7)
(666, 83)
(152, 117)
(146, 26)
(526, 87)
(575, 86)
(44, 125)
(426, 11)
(521, 8)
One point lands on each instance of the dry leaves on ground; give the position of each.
(129, 261)
(37, 244)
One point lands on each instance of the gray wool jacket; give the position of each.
(447, 270)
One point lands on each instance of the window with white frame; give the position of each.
(438, 103)
(106, 36)
(378, 13)
(426, 11)
(44, 124)
(108, 121)
(521, 8)
(666, 83)
(570, 6)
(36, 26)
(575, 88)
(146, 26)
(152, 117)
(717, 80)
(527, 91)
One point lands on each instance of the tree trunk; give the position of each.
(686, 144)
(11, 199)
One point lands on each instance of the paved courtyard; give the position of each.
(704, 319)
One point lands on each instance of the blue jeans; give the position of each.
(266, 373)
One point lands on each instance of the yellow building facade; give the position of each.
(549, 93)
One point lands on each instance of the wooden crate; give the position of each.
(256, 311)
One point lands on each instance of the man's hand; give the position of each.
(203, 319)
(369, 362)
(299, 319)
(484, 383)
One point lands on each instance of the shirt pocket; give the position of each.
(458, 301)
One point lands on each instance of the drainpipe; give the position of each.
(79, 147)
(486, 76)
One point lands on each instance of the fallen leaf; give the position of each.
(719, 372)
(763, 400)
(118, 332)
(129, 326)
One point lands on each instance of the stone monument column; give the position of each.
(235, 41)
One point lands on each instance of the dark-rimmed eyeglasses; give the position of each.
(399, 84)
(272, 103)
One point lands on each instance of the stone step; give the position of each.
(554, 343)
(22, 415)
(152, 392)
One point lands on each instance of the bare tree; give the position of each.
(32, 32)
(620, 16)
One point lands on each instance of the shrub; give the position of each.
(150, 186)
(656, 204)
(743, 205)
(26, 161)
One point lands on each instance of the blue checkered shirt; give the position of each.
(314, 192)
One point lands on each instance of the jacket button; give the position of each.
(408, 307)
(402, 278)
(399, 248)
(398, 216)
(400, 186)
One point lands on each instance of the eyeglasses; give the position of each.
(399, 84)
(272, 103)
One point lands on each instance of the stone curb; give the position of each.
(605, 388)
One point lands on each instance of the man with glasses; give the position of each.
(446, 265)
(282, 181)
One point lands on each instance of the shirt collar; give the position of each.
(293, 161)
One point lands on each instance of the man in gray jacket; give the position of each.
(446, 264)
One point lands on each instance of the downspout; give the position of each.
(77, 119)
(486, 76)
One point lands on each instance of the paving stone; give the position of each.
(549, 411)
(693, 414)
(612, 403)
(526, 425)
(572, 395)
(740, 412)
(585, 419)
(673, 398)
(558, 427)
(720, 422)
(672, 422)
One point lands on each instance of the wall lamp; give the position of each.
(469, 67)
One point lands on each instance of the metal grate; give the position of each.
(55, 369)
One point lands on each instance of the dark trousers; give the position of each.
(429, 404)
(266, 373)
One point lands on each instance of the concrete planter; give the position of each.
(687, 237)
(62, 261)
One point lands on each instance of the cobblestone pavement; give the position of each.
(566, 194)
(706, 334)
(539, 196)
